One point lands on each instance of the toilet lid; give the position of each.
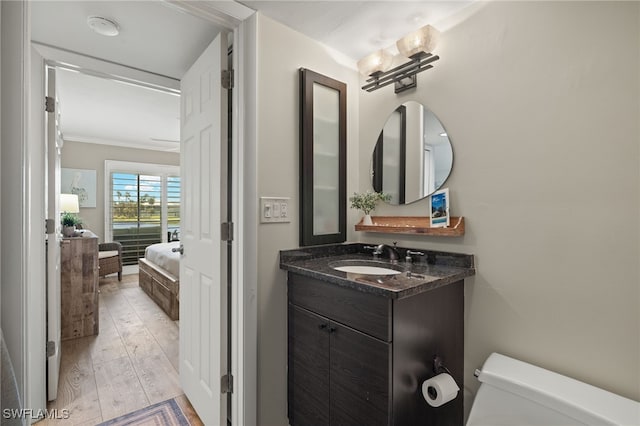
(579, 400)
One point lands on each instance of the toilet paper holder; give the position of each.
(442, 387)
(439, 367)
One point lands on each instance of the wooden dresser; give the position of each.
(79, 287)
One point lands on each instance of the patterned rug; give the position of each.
(166, 413)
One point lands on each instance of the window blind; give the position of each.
(137, 205)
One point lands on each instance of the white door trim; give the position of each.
(65, 59)
(228, 14)
(22, 245)
(16, 198)
(244, 344)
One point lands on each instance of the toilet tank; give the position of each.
(513, 392)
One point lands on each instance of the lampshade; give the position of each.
(69, 203)
(378, 61)
(419, 41)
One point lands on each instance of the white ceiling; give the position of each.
(158, 38)
(99, 110)
(154, 36)
(358, 28)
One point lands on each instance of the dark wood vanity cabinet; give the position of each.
(357, 358)
(337, 375)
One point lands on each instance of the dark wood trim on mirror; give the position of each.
(378, 151)
(307, 80)
(402, 179)
(378, 156)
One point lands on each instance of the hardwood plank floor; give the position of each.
(119, 388)
(132, 363)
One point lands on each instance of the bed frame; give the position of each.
(161, 286)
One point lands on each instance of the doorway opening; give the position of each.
(121, 311)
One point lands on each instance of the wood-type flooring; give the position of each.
(132, 363)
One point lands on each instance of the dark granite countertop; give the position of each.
(433, 270)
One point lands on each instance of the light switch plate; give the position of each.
(274, 209)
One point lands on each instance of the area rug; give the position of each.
(166, 413)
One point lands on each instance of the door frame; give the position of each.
(242, 21)
(19, 225)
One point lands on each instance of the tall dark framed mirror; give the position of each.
(413, 156)
(323, 159)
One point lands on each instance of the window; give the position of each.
(173, 207)
(144, 206)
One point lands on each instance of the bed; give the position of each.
(159, 276)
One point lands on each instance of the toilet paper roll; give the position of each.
(439, 389)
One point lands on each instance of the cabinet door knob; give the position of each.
(332, 329)
(322, 326)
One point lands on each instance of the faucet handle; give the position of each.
(410, 253)
(374, 249)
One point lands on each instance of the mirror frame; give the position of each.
(307, 147)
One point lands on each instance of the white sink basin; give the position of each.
(366, 270)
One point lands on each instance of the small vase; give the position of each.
(366, 220)
(68, 231)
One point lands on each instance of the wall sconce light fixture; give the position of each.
(417, 46)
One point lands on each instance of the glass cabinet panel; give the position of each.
(326, 164)
(323, 159)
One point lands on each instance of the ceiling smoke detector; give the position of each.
(103, 26)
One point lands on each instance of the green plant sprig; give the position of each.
(367, 201)
(69, 219)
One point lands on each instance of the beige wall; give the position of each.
(541, 102)
(281, 52)
(77, 155)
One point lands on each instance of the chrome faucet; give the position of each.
(383, 248)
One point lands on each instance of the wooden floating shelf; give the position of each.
(412, 225)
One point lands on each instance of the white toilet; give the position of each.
(513, 393)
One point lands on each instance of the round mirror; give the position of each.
(413, 156)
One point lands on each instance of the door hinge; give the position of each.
(226, 231)
(51, 348)
(226, 383)
(49, 226)
(49, 104)
(227, 79)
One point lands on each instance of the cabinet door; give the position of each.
(308, 375)
(360, 371)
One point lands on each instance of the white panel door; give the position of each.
(203, 267)
(54, 239)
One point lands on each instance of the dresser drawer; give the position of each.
(365, 312)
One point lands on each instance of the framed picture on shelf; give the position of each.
(440, 208)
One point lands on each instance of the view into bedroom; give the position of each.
(121, 157)
(118, 141)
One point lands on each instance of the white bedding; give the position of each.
(161, 255)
